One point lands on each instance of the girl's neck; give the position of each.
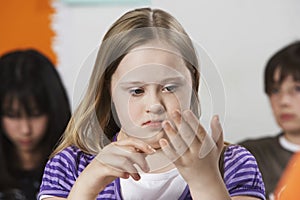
(30, 159)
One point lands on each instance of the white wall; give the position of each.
(239, 35)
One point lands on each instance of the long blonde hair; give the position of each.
(92, 125)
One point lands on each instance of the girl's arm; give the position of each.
(196, 155)
(114, 160)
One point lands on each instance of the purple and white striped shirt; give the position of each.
(241, 174)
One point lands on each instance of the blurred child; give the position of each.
(34, 112)
(282, 85)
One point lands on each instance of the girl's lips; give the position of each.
(286, 117)
(153, 123)
(25, 142)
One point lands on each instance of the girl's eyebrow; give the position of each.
(177, 79)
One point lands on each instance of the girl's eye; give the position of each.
(136, 91)
(13, 114)
(35, 113)
(297, 88)
(170, 88)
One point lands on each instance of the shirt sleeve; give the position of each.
(59, 174)
(241, 173)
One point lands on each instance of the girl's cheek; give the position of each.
(135, 111)
(180, 102)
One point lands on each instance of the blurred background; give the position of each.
(239, 36)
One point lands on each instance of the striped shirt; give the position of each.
(241, 174)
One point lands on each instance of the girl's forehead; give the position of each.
(153, 73)
(14, 102)
(11, 102)
(152, 59)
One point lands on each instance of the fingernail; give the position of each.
(136, 177)
(163, 143)
(175, 114)
(126, 175)
(165, 124)
(217, 118)
(152, 150)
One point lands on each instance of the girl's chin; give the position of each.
(154, 141)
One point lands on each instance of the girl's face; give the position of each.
(24, 131)
(147, 87)
(285, 102)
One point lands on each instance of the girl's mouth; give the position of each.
(153, 124)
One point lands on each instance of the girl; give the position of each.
(143, 96)
(34, 111)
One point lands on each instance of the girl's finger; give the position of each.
(168, 150)
(217, 131)
(135, 157)
(126, 175)
(216, 140)
(176, 140)
(124, 165)
(135, 150)
(194, 123)
(127, 167)
(123, 157)
(116, 162)
(207, 143)
(184, 129)
(207, 146)
(137, 144)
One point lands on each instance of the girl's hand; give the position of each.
(115, 160)
(195, 153)
(122, 155)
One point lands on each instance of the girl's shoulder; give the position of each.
(71, 157)
(73, 151)
(62, 170)
(241, 172)
(236, 152)
(237, 157)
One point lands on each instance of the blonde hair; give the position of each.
(92, 125)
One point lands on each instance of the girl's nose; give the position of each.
(24, 125)
(156, 108)
(155, 102)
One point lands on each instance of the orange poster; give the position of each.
(26, 24)
(288, 186)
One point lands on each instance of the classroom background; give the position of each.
(237, 36)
